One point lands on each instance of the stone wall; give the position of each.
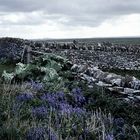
(104, 55)
(11, 49)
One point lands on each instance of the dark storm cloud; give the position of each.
(77, 12)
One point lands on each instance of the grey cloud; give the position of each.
(71, 6)
(77, 12)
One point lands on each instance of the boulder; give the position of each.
(87, 78)
(113, 78)
(138, 97)
(128, 91)
(135, 84)
(116, 82)
(102, 84)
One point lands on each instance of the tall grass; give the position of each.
(18, 123)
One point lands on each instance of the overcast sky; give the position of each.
(69, 18)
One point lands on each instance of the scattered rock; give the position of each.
(135, 84)
(138, 97)
(128, 91)
(102, 84)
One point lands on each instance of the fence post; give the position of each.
(26, 55)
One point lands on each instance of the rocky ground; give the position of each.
(88, 59)
(100, 54)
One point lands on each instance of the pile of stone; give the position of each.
(126, 88)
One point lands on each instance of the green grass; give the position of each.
(8, 68)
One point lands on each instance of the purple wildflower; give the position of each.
(24, 97)
(40, 112)
(51, 99)
(44, 97)
(79, 99)
(120, 131)
(52, 135)
(76, 91)
(40, 133)
(37, 86)
(60, 96)
(36, 134)
(119, 122)
(66, 108)
(80, 137)
(79, 111)
(69, 110)
(78, 96)
(54, 99)
(109, 137)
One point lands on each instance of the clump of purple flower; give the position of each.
(119, 128)
(37, 86)
(54, 99)
(51, 135)
(109, 137)
(50, 98)
(40, 112)
(24, 97)
(69, 110)
(79, 111)
(66, 108)
(78, 96)
(36, 134)
(60, 101)
(119, 122)
(40, 133)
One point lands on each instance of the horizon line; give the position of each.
(72, 37)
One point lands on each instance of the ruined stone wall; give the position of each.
(11, 49)
(102, 54)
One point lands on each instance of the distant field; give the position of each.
(112, 40)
